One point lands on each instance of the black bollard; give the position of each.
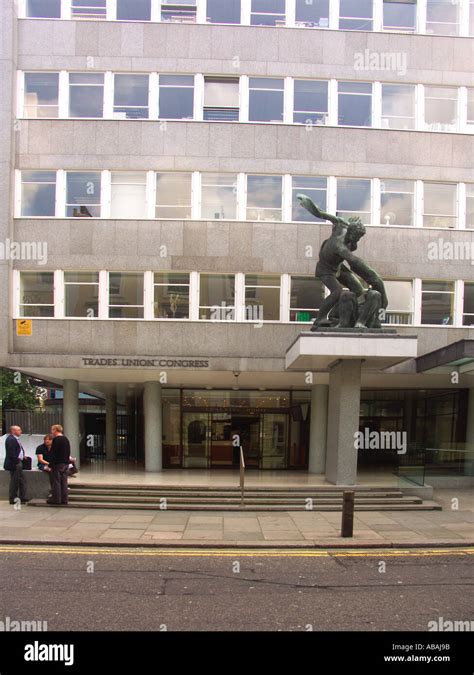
(347, 525)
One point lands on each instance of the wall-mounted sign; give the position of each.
(153, 362)
(24, 327)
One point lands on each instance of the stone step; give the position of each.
(231, 500)
(126, 494)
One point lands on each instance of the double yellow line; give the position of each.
(236, 552)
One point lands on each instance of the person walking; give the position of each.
(59, 463)
(14, 457)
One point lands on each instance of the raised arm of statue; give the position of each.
(310, 206)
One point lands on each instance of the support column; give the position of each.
(318, 428)
(343, 421)
(111, 426)
(469, 459)
(153, 426)
(71, 416)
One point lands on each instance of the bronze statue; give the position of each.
(338, 268)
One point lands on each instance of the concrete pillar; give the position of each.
(71, 416)
(469, 458)
(153, 426)
(343, 421)
(318, 428)
(111, 426)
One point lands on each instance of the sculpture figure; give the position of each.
(339, 269)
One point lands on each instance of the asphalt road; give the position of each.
(240, 590)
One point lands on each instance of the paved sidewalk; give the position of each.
(276, 529)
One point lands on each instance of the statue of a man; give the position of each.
(339, 268)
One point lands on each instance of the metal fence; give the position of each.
(32, 421)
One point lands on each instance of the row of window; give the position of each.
(230, 196)
(245, 99)
(224, 297)
(440, 17)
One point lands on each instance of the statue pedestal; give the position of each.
(345, 356)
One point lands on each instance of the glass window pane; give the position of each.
(440, 107)
(400, 302)
(128, 198)
(468, 309)
(38, 193)
(83, 194)
(262, 297)
(37, 294)
(173, 195)
(88, 9)
(437, 303)
(217, 296)
(81, 300)
(134, 10)
(171, 296)
(221, 99)
(355, 104)
(266, 99)
(469, 205)
(41, 94)
(314, 14)
(176, 97)
(355, 14)
(86, 95)
(442, 17)
(440, 205)
(353, 198)
(43, 9)
(81, 277)
(398, 106)
(397, 202)
(267, 12)
(131, 96)
(264, 197)
(310, 102)
(223, 11)
(399, 16)
(183, 11)
(470, 100)
(307, 294)
(314, 188)
(219, 196)
(126, 289)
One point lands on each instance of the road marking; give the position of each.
(253, 553)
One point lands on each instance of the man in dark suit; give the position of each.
(14, 456)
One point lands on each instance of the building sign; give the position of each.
(24, 327)
(153, 362)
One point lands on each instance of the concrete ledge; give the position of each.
(37, 484)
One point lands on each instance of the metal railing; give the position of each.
(242, 477)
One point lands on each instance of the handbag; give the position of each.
(26, 462)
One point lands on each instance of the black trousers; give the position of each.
(59, 483)
(17, 483)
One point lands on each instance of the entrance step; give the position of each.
(325, 498)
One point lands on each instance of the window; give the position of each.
(264, 197)
(470, 103)
(171, 300)
(355, 104)
(314, 188)
(470, 205)
(41, 95)
(38, 193)
(306, 296)
(267, 13)
(262, 297)
(313, 14)
(265, 99)
(398, 106)
(173, 195)
(131, 97)
(217, 297)
(81, 294)
(399, 15)
(355, 15)
(400, 302)
(441, 108)
(125, 295)
(223, 11)
(471, 18)
(178, 12)
(353, 198)
(86, 95)
(219, 196)
(43, 9)
(176, 97)
(440, 205)
(128, 196)
(37, 294)
(221, 99)
(310, 102)
(88, 9)
(437, 302)
(442, 17)
(134, 10)
(83, 194)
(468, 305)
(397, 202)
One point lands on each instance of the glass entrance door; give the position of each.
(274, 441)
(196, 434)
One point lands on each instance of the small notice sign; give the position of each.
(24, 327)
